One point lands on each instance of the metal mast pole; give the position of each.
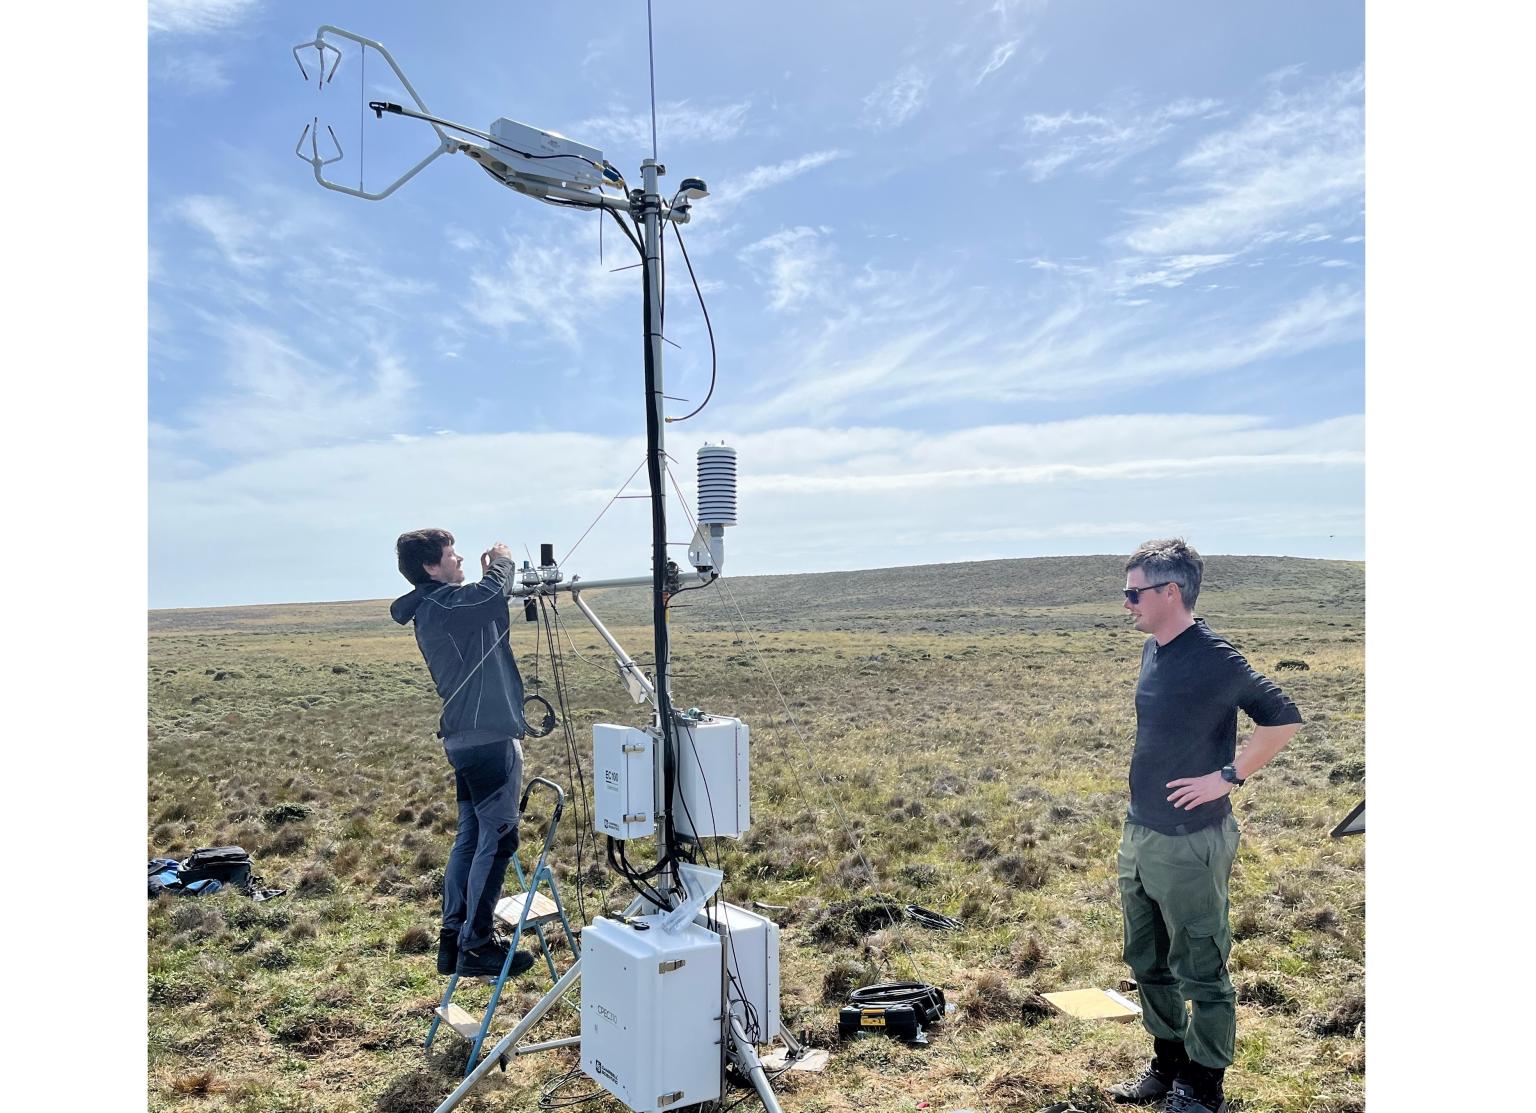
(655, 422)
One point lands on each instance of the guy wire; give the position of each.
(604, 510)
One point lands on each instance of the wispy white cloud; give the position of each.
(255, 236)
(1000, 57)
(192, 17)
(730, 190)
(1097, 141)
(274, 398)
(766, 177)
(894, 102)
(239, 238)
(196, 73)
(793, 262)
(552, 280)
(676, 122)
(1077, 347)
(1301, 154)
(1167, 272)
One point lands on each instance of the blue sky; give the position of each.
(986, 280)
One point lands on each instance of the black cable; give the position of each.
(931, 919)
(380, 107)
(921, 996)
(658, 565)
(574, 771)
(625, 229)
(713, 361)
(547, 1099)
(621, 867)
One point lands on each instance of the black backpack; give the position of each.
(228, 865)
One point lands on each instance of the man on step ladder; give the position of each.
(462, 631)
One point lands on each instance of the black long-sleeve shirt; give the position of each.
(1186, 722)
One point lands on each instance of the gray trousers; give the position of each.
(1173, 896)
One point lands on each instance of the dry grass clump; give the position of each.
(199, 1084)
(416, 940)
(316, 881)
(286, 841)
(198, 920)
(1266, 992)
(1346, 1019)
(1021, 871)
(1026, 956)
(844, 976)
(417, 1091)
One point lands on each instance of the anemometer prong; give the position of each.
(319, 46)
(313, 158)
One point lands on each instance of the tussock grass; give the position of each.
(972, 753)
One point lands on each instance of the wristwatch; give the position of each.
(1229, 774)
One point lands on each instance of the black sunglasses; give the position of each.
(1133, 594)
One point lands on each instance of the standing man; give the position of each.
(1180, 839)
(462, 631)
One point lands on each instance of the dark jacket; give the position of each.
(461, 630)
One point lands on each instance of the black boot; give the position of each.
(1169, 1057)
(447, 951)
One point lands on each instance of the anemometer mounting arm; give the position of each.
(445, 145)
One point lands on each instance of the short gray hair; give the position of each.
(1172, 560)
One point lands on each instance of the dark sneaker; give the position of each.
(1181, 1099)
(447, 952)
(486, 961)
(1144, 1090)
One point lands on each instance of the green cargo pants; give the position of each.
(1173, 896)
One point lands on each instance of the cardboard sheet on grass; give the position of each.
(1094, 1004)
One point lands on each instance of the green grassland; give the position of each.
(960, 732)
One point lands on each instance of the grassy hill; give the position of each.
(953, 735)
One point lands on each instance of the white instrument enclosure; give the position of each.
(650, 1012)
(712, 795)
(752, 960)
(624, 776)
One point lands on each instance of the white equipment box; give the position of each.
(559, 159)
(712, 795)
(752, 961)
(650, 1012)
(624, 772)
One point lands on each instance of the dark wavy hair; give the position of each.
(1170, 559)
(419, 548)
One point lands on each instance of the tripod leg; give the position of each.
(746, 1058)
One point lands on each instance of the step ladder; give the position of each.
(525, 910)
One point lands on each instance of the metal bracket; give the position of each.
(446, 145)
(671, 965)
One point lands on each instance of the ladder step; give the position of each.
(459, 1020)
(509, 908)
